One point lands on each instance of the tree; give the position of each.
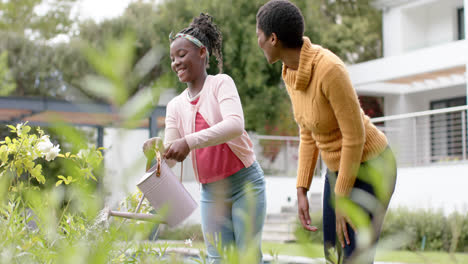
(26, 26)
(37, 19)
(349, 28)
(258, 83)
(7, 84)
(352, 29)
(39, 69)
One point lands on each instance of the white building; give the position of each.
(421, 77)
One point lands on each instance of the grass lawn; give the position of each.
(432, 257)
(316, 251)
(313, 250)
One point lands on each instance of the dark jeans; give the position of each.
(372, 191)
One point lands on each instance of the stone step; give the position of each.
(279, 228)
(278, 222)
(285, 217)
(289, 209)
(278, 237)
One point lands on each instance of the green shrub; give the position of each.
(440, 232)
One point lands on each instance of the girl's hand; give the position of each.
(303, 209)
(151, 146)
(178, 150)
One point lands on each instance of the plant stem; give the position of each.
(63, 212)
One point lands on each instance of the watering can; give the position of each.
(161, 188)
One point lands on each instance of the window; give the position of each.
(461, 23)
(372, 105)
(447, 131)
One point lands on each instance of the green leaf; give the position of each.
(61, 177)
(58, 183)
(3, 153)
(41, 179)
(26, 129)
(93, 177)
(37, 173)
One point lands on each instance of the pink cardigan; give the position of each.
(220, 106)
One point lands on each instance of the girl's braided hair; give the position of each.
(204, 29)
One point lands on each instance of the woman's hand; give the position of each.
(341, 228)
(303, 209)
(178, 150)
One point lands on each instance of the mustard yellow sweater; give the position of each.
(330, 118)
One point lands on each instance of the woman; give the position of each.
(361, 167)
(207, 121)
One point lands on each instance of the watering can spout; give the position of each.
(137, 216)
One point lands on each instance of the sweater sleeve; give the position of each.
(230, 127)
(343, 99)
(308, 154)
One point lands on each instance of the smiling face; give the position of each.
(188, 60)
(268, 45)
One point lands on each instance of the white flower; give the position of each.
(47, 148)
(82, 153)
(44, 145)
(53, 153)
(45, 138)
(188, 242)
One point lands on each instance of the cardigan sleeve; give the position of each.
(339, 91)
(232, 124)
(308, 154)
(171, 131)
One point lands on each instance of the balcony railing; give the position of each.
(427, 137)
(278, 155)
(418, 139)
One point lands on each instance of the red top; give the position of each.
(215, 162)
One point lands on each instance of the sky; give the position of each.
(99, 10)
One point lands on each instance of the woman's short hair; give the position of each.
(284, 19)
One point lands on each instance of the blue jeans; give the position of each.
(233, 212)
(372, 191)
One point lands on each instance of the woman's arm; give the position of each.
(230, 127)
(308, 155)
(343, 99)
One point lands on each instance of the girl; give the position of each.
(361, 167)
(207, 121)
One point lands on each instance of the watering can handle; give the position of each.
(158, 161)
(157, 157)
